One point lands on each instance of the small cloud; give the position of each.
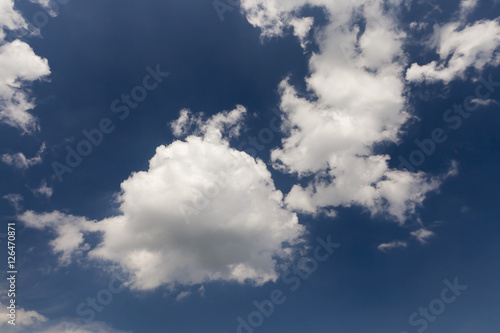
(467, 7)
(48, 5)
(201, 291)
(422, 235)
(386, 247)
(19, 160)
(15, 200)
(224, 122)
(330, 213)
(43, 190)
(483, 102)
(418, 26)
(464, 209)
(183, 295)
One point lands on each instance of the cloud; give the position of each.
(43, 190)
(69, 229)
(467, 7)
(201, 291)
(19, 66)
(10, 18)
(24, 318)
(211, 128)
(68, 327)
(15, 200)
(19, 160)
(202, 212)
(459, 48)
(29, 321)
(418, 26)
(483, 102)
(386, 247)
(357, 103)
(183, 295)
(422, 235)
(50, 6)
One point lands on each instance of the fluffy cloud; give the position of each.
(203, 211)
(460, 46)
(20, 161)
(358, 102)
(19, 66)
(10, 18)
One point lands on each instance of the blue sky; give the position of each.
(254, 166)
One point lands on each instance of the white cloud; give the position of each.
(359, 90)
(422, 235)
(19, 66)
(43, 190)
(203, 211)
(183, 295)
(386, 247)
(49, 5)
(483, 102)
(301, 28)
(212, 128)
(69, 229)
(24, 318)
(15, 200)
(68, 327)
(19, 160)
(418, 26)
(459, 48)
(201, 291)
(10, 18)
(30, 321)
(467, 7)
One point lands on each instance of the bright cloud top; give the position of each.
(203, 211)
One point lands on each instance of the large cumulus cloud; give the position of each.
(202, 211)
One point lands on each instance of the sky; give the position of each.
(225, 166)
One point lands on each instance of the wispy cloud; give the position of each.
(422, 235)
(386, 247)
(20, 161)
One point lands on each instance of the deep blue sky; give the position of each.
(98, 50)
